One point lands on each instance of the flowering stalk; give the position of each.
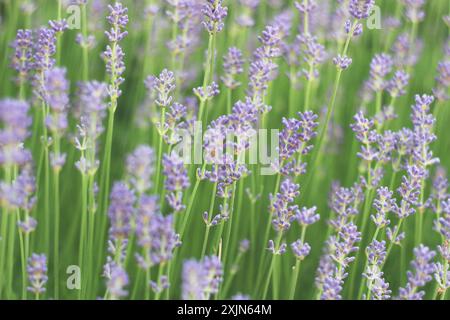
(115, 66)
(296, 270)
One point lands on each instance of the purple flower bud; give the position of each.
(307, 216)
(164, 85)
(22, 59)
(117, 280)
(45, 48)
(37, 273)
(342, 62)
(442, 81)
(421, 274)
(118, 19)
(360, 9)
(207, 93)
(28, 225)
(380, 67)
(58, 26)
(232, 66)
(213, 15)
(201, 279)
(13, 132)
(384, 204)
(140, 168)
(282, 210)
(442, 276)
(175, 173)
(414, 10)
(120, 211)
(396, 86)
(56, 95)
(301, 250)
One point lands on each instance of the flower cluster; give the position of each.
(201, 279)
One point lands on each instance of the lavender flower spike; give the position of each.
(22, 60)
(120, 212)
(214, 14)
(14, 131)
(140, 167)
(37, 273)
(114, 55)
(201, 279)
(421, 274)
(360, 9)
(233, 65)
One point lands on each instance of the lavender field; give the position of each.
(224, 149)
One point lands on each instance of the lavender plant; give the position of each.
(261, 150)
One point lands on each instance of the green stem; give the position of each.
(296, 271)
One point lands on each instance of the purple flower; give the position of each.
(294, 139)
(281, 208)
(442, 276)
(414, 10)
(245, 19)
(118, 19)
(22, 59)
(232, 66)
(213, 15)
(363, 128)
(349, 236)
(307, 216)
(56, 95)
(396, 86)
(164, 86)
(313, 54)
(343, 202)
(45, 48)
(360, 9)
(117, 281)
(259, 75)
(163, 284)
(58, 26)
(140, 168)
(380, 67)
(332, 288)
(376, 252)
(114, 55)
(37, 273)
(439, 191)
(384, 204)
(442, 81)
(92, 107)
(423, 122)
(305, 6)
(28, 225)
(14, 131)
(277, 251)
(422, 269)
(379, 288)
(175, 172)
(301, 250)
(342, 62)
(155, 234)
(120, 212)
(176, 179)
(208, 92)
(201, 279)
(402, 52)
(21, 194)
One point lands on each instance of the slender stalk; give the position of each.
(272, 263)
(210, 213)
(296, 271)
